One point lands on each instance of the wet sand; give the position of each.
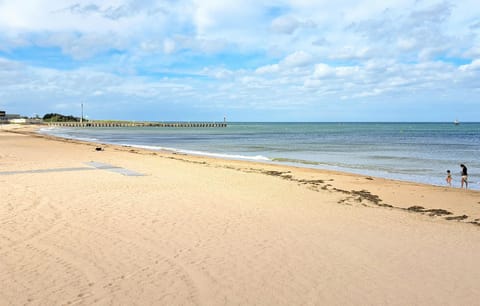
(135, 227)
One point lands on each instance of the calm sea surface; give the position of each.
(418, 152)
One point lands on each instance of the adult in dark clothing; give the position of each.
(464, 176)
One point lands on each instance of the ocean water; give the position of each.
(416, 152)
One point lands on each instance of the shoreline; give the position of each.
(125, 225)
(335, 166)
(283, 171)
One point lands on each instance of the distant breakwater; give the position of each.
(140, 124)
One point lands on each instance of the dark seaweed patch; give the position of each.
(274, 173)
(437, 212)
(416, 208)
(367, 195)
(457, 218)
(385, 205)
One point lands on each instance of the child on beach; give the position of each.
(449, 178)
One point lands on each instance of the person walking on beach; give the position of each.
(449, 178)
(464, 176)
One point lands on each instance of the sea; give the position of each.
(414, 152)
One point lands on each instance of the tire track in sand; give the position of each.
(140, 270)
(25, 223)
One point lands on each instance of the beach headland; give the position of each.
(123, 225)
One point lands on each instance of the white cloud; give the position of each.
(169, 46)
(323, 70)
(473, 66)
(8, 65)
(298, 59)
(351, 53)
(285, 24)
(212, 18)
(347, 71)
(238, 53)
(220, 73)
(268, 69)
(406, 44)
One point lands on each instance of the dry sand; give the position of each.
(202, 231)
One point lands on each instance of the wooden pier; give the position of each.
(109, 124)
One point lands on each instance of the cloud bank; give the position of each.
(269, 60)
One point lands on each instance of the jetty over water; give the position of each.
(110, 124)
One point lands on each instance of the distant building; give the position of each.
(3, 116)
(14, 118)
(25, 121)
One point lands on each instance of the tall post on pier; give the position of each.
(81, 118)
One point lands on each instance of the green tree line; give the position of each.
(54, 117)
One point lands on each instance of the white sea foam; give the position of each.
(87, 139)
(202, 153)
(46, 130)
(58, 132)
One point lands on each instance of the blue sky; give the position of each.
(277, 60)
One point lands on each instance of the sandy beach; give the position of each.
(125, 226)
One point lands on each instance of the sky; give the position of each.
(277, 60)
